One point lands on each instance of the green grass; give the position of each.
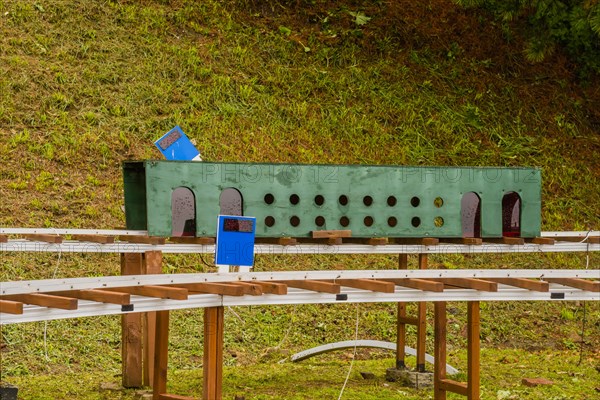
(323, 378)
(85, 85)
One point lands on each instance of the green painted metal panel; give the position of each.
(134, 179)
(295, 199)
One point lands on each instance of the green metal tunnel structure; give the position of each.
(176, 198)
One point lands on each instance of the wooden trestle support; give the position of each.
(145, 335)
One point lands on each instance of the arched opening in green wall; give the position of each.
(231, 202)
(183, 212)
(511, 214)
(470, 215)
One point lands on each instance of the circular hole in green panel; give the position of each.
(391, 201)
(320, 221)
(438, 202)
(269, 198)
(343, 199)
(415, 221)
(269, 221)
(368, 220)
(294, 220)
(367, 200)
(438, 222)
(294, 199)
(319, 200)
(415, 201)
(344, 221)
(392, 221)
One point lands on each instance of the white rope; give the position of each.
(353, 355)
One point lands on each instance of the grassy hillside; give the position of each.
(85, 85)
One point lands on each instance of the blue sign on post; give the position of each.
(175, 145)
(235, 241)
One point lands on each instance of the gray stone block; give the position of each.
(406, 377)
(8, 392)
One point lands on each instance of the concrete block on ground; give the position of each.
(8, 392)
(408, 378)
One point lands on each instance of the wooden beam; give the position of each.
(273, 287)
(252, 289)
(212, 366)
(428, 241)
(103, 239)
(56, 239)
(421, 322)
(408, 320)
(161, 354)
(439, 350)
(582, 284)
(192, 240)
(11, 307)
(420, 284)
(472, 241)
(541, 240)
(368, 284)
(131, 330)
(507, 240)
(99, 295)
(315, 286)
(44, 300)
(378, 241)
(165, 396)
(161, 292)
(3, 238)
(225, 289)
(400, 324)
(331, 234)
(473, 350)
(450, 385)
(529, 284)
(152, 262)
(143, 239)
(470, 283)
(282, 241)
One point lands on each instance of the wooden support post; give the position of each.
(401, 326)
(161, 354)
(152, 265)
(473, 328)
(213, 353)
(131, 329)
(439, 352)
(422, 323)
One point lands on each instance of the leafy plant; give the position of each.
(571, 24)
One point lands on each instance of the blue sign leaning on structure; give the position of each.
(175, 145)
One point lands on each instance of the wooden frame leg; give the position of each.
(161, 354)
(401, 326)
(131, 330)
(473, 350)
(152, 265)
(439, 371)
(213, 353)
(422, 323)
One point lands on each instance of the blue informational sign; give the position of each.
(175, 145)
(235, 241)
